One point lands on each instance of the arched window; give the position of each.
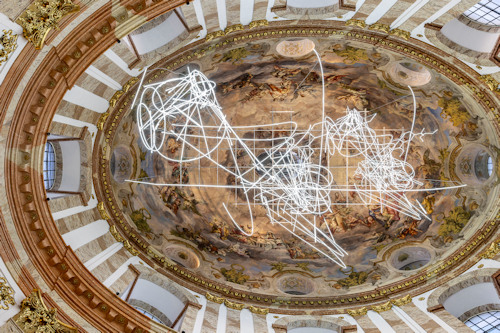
(485, 12)
(49, 166)
(487, 322)
(149, 314)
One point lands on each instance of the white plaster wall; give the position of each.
(468, 37)
(70, 151)
(471, 297)
(159, 35)
(158, 297)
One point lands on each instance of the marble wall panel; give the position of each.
(76, 221)
(233, 321)
(367, 324)
(395, 11)
(259, 323)
(395, 322)
(68, 130)
(93, 248)
(189, 319)
(123, 282)
(124, 52)
(74, 111)
(211, 15)
(211, 317)
(62, 203)
(366, 8)
(422, 318)
(105, 65)
(95, 86)
(232, 12)
(104, 270)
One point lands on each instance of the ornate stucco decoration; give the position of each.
(382, 307)
(233, 28)
(358, 312)
(402, 301)
(126, 243)
(490, 82)
(9, 45)
(357, 23)
(400, 33)
(235, 305)
(43, 15)
(380, 27)
(492, 251)
(36, 317)
(6, 294)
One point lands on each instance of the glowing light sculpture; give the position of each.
(291, 179)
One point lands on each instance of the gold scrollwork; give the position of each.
(236, 27)
(492, 251)
(400, 33)
(258, 23)
(43, 15)
(102, 120)
(256, 310)
(402, 301)
(233, 305)
(382, 307)
(357, 23)
(102, 211)
(9, 45)
(490, 82)
(6, 294)
(36, 317)
(126, 244)
(114, 99)
(214, 299)
(380, 27)
(358, 312)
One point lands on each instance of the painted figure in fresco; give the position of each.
(409, 228)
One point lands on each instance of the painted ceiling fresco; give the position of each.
(190, 226)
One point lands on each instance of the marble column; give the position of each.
(211, 317)
(190, 318)
(450, 319)
(395, 321)
(426, 322)
(367, 324)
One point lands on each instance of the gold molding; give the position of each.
(126, 243)
(490, 82)
(102, 211)
(402, 301)
(9, 45)
(36, 317)
(43, 15)
(382, 307)
(400, 33)
(6, 294)
(235, 305)
(233, 28)
(492, 251)
(380, 27)
(356, 23)
(358, 312)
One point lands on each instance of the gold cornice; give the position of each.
(492, 250)
(357, 23)
(233, 28)
(402, 301)
(235, 305)
(380, 27)
(382, 307)
(8, 41)
(358, 312)
(43, 15)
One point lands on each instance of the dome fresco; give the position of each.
(253, 80)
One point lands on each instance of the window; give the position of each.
(488, 322)
(49, 166)
(485, 12)
(149, 314)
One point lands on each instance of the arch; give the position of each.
(287, 323)
(438, 296)
(148, 274)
